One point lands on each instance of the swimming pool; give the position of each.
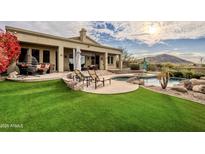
(151, 80)
(155, 81)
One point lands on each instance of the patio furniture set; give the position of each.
(91, 77)
(29, 69)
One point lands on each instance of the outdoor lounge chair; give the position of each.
(97, 79)
(80, 77)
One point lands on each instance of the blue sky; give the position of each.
(182, 39)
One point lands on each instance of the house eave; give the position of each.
(14, 29)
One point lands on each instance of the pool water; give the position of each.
(155, 81)
(152, 81)
(121, 78)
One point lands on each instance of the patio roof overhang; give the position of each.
(28, 36)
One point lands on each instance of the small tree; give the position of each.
(126, 57)
(9, 50)
(163, 78)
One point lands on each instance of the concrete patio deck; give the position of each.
(34, 78)
(116, 87)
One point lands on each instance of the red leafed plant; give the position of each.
(9, 50)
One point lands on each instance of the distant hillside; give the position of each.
(165, 58)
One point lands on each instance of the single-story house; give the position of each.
(59, 50)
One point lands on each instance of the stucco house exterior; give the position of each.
(59, 50)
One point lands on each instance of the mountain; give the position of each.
(166, 58)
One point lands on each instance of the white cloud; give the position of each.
(163, 31)
(127, 30)
(59, 28)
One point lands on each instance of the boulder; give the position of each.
(136, 82)
(70, 76)
(179, 89)
(197, 82)
(139, 82)
(188, 84)
(12, 68)
(73, 84)
(13, 75)
(199, 88)
(202, 78)
(132, 80)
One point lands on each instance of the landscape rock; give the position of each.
(202, 78)
(188, 84)
(70, 76)
(141, 82)
(138, 81)
(12, 68)
(179, 89)
(132, 80)
(197, 82)
(13, 74)
(73, 84)
(199, 88)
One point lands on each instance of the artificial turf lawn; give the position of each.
(51, 106)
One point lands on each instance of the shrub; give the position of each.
(169, 65)
(9, 50)
(197, 75)
(187, 74)
(151, 67)
(177, 74)
(134, 66)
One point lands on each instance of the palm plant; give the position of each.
(163, 78)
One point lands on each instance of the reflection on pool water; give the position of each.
(155, 81)
(152, 81)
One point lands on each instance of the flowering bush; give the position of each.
(9, 50)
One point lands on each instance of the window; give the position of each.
(70, 58)
(35, 53)
(82, 60)
(46, 56)
(92, 60)
(110, 59)
(23, 55)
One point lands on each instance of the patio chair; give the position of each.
(97, 79)
(81, 77)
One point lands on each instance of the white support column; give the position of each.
(41, 56)
(74, 59)
(60, 59)
(29, 56)
(105, 61)
(120, 62)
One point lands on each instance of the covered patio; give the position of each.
(90, 60)
(58, 51)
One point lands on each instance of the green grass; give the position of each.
(51, 106)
